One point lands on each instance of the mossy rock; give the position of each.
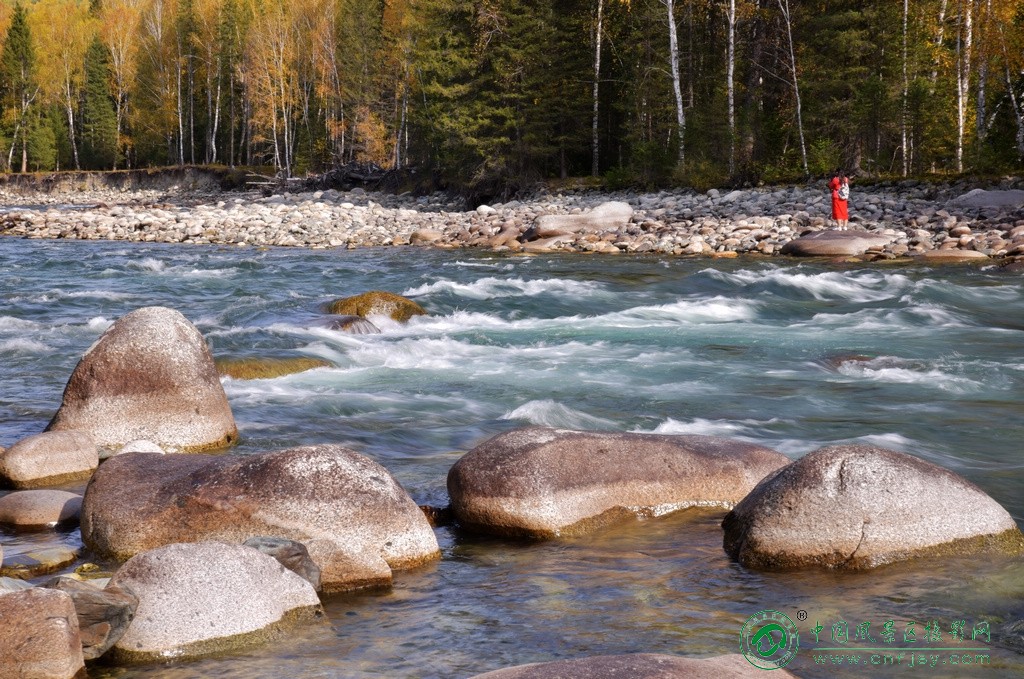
(267, 368)
(377, 302)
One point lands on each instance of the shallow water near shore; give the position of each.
(790, 355)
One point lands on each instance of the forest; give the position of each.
(497, 94)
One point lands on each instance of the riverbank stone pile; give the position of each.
(893, 219)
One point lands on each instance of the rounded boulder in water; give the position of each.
(39, 508)
(542, 483)
(202, 598)
(150, 376)
(377, 303)
(49, 459)
(354, 518)
(857, 507)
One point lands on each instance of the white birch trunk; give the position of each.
(595, 139)
(980, 128)
(677, 86)
(939, 37)
(730, 87)
(784, 7)
(965, 37)
(906, 94)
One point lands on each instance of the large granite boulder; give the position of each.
(39, 635)
(376, 303)
(208, 597)
(49, 459)
(355, 519)
(39, 508)
(638, 666)
(608, 216)
(831, 243)
(150, 376)
(540, 482)
(103, 614)
(857, 507)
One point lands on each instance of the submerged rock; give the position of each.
(267, 368)
(858, 507)
(355, 519)
(150, 376)
(637, 666)
(377, 303)
(39, 562)
(203, 598)
(49, 459)
(354, 325)
(539, 482)
(39, 508)
(39, 636)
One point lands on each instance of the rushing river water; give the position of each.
(793, 356)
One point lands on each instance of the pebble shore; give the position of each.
(918, 217)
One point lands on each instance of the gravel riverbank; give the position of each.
(909, 218)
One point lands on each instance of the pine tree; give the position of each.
(97, 116)
(18, 88)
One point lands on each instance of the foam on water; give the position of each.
(894, 370)
(23, 347)
(861, 287)
(690, 311)
(550, 413)
(490, 288)
(745, 429)
(11, 323)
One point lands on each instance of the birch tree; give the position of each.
(730, 81)
(786, 17)
(677, 86)
(63, 30)
(964, 45)
(595, 138)
(119, 30)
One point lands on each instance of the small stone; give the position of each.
(39, 508)
(103, 614)
(292, 554)
(40, 562)
(49, 459)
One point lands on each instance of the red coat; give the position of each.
(840, 207)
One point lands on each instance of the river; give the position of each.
(790, 355)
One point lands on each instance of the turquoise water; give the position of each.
(793, 356)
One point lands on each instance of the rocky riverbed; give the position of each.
(905, 218)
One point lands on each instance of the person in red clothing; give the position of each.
(840, 187)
